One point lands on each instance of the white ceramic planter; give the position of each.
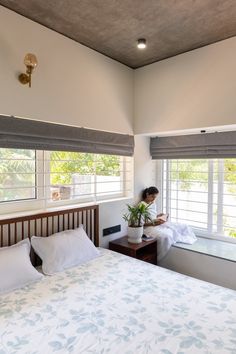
(135, 234)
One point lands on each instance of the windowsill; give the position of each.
(213, 248)
(59, 207)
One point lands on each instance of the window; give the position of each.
(40, 179)
(201, 193)
(17, 175)
(83, 176)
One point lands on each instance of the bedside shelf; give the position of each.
(145, 251)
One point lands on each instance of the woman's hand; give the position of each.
(161, 214)
(158, 222)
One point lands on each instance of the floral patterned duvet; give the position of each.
(116, 304)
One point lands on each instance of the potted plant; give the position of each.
(136, 217)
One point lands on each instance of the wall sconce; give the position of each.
(30, 62)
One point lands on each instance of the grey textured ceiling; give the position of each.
(112, 27)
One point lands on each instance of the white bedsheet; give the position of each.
(118, 305)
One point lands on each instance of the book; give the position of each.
(163, 217)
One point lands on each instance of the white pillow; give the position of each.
(26, 242)
(16, 270)
(64, 250)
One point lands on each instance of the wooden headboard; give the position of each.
(45, 224)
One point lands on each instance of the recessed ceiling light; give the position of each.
(141, 43)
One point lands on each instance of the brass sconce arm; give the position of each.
(30, 62)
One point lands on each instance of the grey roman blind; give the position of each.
(30, 134)
(206, 145)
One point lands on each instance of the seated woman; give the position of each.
(167, 233)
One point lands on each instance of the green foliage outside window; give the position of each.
(188, 172)
(64, 164)
(193, 174)
(230, 174)
(17, 169)
(195, 170)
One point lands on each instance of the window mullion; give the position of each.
(159, 179)
(168, 191)
(95, 177)
(47, 182)
(161, 164)
(40, 175)
(177, 193)
(125, 177)
(210, 196)
(220, 197)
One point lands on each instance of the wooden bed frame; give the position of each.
(45, 224)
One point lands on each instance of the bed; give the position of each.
(114, 304)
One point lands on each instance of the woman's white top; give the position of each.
(152, 209)
(167, 233)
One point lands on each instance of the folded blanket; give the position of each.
(168, 234)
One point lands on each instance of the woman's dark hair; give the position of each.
(148, 191)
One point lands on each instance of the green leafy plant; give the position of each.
(64, 164)
(137, 215)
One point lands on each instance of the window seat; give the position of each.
(214, 248)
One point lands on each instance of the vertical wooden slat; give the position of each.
(96, 226)
(22, 230)
(83, 219)
(69, 221)
(28, 228)
(63, 218)
(1, 236)
(35, 227)
(15, 232)
(41, 227)
(91, 225)
(47, 226)
(53, 224)
(9, 234)
(58, 223)
(73, 220)
(87, 221)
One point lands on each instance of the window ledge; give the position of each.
(213, 248)
(46, 210)
(59, 207)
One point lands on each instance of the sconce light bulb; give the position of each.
(30, 60)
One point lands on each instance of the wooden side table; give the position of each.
(145, 251)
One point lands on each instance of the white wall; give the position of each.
(144, 166)
(214, 270)
(72, 84)
(111, 215)
(189, 91)
(144, 176)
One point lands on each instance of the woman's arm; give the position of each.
(154, 222)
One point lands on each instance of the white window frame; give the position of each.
(38, 203)
(201, 233)
(42, 200)
(107, 197)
